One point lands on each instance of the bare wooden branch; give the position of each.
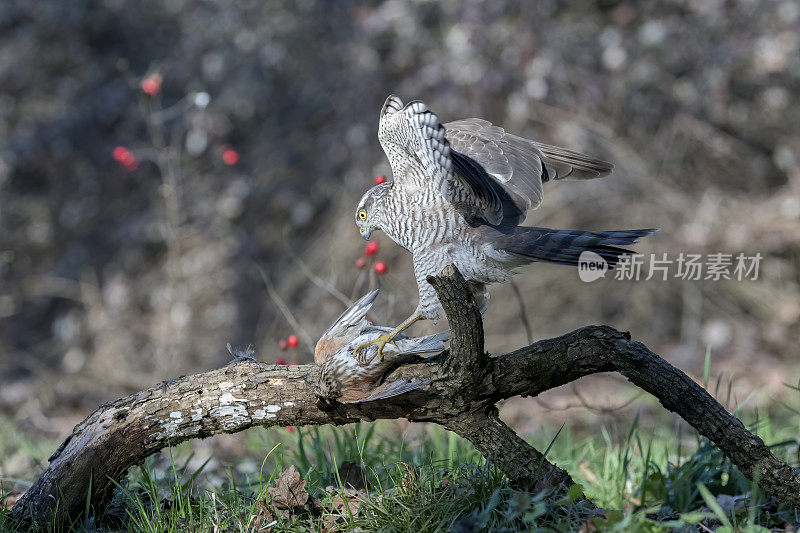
(467, 361)
(464, 385)
(592, 349)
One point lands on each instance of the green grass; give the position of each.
(648, 481)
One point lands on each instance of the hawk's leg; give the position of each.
(361, 350)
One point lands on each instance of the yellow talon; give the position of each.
(361, 350)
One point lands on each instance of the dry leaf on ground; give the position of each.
(11, 499)
(588, 527)
(350, 504)
(344, 504)
(289, 490)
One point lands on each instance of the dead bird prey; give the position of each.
(349, 379)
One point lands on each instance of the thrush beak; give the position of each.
(366, 233)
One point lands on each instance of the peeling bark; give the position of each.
(465, 383)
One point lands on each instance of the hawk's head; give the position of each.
(369, 213)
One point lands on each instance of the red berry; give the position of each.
(361, 262)
(280, 361)
(292, 341)
(380, 179)
(290, 429)
(230, 156)
(282, 344)
(121, 153)
(151, 85)
(125, 158)
(371, 248)
(380, 267)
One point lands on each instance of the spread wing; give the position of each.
(381, 392)
(519, 166)
(347, 327)
(419, 154)
(488, 173)
(414, 142)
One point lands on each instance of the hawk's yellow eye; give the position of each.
(362, 214)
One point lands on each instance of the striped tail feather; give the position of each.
(564, 247)
(427, 344)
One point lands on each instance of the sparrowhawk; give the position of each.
(458, 194)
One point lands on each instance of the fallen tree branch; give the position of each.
(593, 349)
(464, 385)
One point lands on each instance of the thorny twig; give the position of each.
(359, 283)
(583, 403)
(316, 280)
(287, 313)
(523, 314)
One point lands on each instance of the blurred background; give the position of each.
(178, 174)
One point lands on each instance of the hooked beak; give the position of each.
(366, 233)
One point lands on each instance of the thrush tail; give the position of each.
(427, 344)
